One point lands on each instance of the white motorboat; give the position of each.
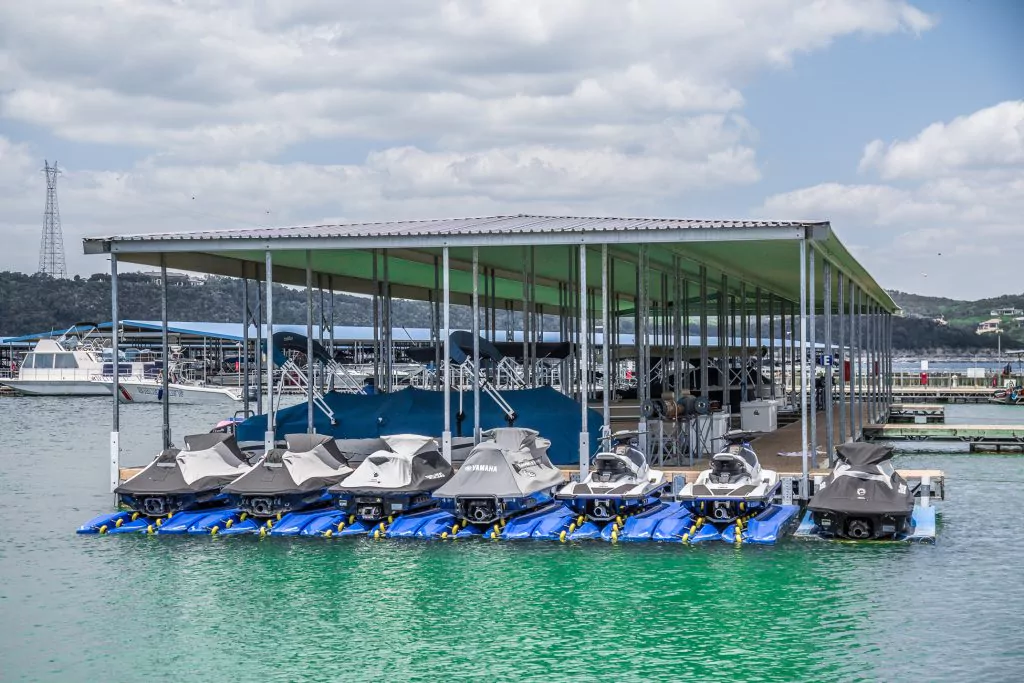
(68, 366)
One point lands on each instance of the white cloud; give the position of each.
(988, 137)
(269, 113)
(953, 227)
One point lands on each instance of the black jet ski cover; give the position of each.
(513, 462)
(864, 482)
(310, 462)
(209, 461)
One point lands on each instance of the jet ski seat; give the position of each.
(609, 469)
(727, 471)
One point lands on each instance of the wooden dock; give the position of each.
(978, 437)
(925, 394)
(927, 413)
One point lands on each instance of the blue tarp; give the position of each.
(418, 411)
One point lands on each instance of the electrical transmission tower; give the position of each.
(51, 250)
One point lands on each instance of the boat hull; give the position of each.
(139, 392)
(30, 387)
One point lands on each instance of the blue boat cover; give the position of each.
(419, 411)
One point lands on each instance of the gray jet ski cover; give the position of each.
(209, 461)
(310, 462)
(409, 463)
(513, 462)
(864, 481)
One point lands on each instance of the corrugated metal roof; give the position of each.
(522, 223)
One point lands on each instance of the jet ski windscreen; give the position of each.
(860, 454)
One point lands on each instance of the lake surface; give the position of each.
(90, 608)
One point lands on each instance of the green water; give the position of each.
(89, 608)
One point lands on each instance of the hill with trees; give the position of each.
(39, 303)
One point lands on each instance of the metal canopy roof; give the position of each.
(761, 254)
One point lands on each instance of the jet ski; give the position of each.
(620, 482)
(507, 474)
(186, 479)
(732, 501)
(177, 489)
(397, 479)
(734, 485)
(291, 479)
(864, 498)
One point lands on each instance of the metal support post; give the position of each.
(771, 343)
(584, 367)
(812, 305)
(606, 391)
(310, 374)
(476, 345)
(840, 289)
(165, 397)
(246, 319)
(268, 439)
(804, 436)
(115, 356)
(826, 275)
(446, 433)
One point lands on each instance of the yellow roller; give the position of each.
(149, 529)
(227, 524)
(328, 533)
(278, 516)
(351, 519)
(444, 535)
(572, 527)
(494, 535)
(391, 518)
(618, 519)
(561, 536)
(135, 516)
(119, 522)
(455, 528)
(263, 531)
(244, 516)
(376, 535)
(270, 524)
(497, 529)
(160, 521)
(615, 535)
(214, 529)
(341, 525)
(580, 520)
(103, 529)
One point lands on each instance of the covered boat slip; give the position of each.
(736, 284)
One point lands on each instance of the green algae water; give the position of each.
(88, 608)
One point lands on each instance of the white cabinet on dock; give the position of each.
(759, 416)
(709, 430)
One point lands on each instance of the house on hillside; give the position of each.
(941, 320)
(1005, 312)
(988, 326)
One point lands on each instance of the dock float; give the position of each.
(927, 413)
(980, 438)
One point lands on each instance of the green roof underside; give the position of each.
(765, 256)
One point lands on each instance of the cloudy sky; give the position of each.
(901, 122)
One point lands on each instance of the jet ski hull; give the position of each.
(486, 510)
(158, 505)
(603, 507)
(273, 505)
(920, 528)
(860, 526)
(374, 506)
